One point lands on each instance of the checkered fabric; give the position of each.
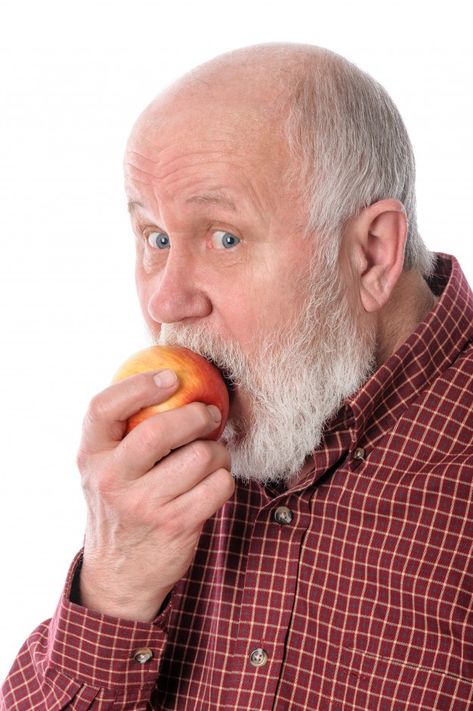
(357, 595)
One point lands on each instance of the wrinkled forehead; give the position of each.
(204, 133)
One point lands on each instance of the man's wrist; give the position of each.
(94, 596)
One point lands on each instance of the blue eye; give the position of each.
(224, 240)
(159, 240)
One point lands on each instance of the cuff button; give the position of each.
(142, 655)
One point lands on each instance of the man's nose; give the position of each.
(175, 294)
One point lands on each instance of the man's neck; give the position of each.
(409, 304)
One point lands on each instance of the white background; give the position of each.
(73, 78)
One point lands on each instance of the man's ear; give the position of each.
(377, 238)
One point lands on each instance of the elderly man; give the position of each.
(272, 198)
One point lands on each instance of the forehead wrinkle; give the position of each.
(162, 168)
(168, 161)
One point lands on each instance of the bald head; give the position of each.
(254, 84)
(262, 75)
(252, 87)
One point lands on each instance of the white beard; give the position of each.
(296, 382)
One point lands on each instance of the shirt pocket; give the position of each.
(366, 682)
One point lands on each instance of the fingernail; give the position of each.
(165, 378)
(215, 413)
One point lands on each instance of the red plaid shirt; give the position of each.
(356, 594)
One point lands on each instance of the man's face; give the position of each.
(223, 267)
(219, 240)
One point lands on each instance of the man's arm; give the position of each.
(85, 660)
(148, 494)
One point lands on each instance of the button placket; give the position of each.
(261, 591)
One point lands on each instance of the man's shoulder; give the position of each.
(444, 410)
(459, 373)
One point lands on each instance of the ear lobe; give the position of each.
(381, 243)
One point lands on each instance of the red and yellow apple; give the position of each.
(199, 380)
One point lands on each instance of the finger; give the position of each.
(105, 422)
(154, 438)
(184, 468)
(200, 503)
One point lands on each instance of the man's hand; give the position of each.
(148, 496)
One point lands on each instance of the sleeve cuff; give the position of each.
(104, 651)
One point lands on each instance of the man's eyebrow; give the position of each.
(210, 198)
(216, 197)
(132, 205)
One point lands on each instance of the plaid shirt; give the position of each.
(351, 590)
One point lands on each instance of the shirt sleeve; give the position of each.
(84, 660)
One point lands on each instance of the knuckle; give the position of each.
(149, 434)
(97, 409)
(133, 510)
(82, 459)
(99, 481)
(200, 453)
(174, 526)
(91, 496)
(87, 481)
(104, 484)
(223, 455)
(225, 482)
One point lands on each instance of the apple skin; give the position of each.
(199, 381)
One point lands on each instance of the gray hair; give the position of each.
(354, 148)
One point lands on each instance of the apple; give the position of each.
(199, 380)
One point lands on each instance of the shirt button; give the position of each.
(258, 657)
(359, 453)
(142, 655)
(283, 515)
